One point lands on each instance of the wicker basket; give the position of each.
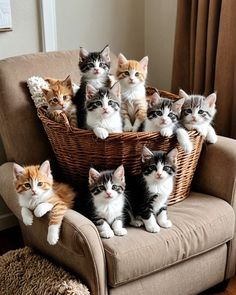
(77, 149)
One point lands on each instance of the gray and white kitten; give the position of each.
(163, 116)
(103, 110)
(107, 201)
(197, 114)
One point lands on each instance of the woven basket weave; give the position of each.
(77, 149)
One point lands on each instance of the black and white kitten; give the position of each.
(106, 201)
(163, 116)
(151, 191)
(198, 113)
(103, 110)
(94, 68)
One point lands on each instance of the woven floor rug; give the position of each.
(24, 272)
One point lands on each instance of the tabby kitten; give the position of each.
(152, 189)
(106, 201)
(59, 98)
(163, 115)
(198, 113)
(39, 194)
(103, 110)
(132, 75)
(94, 68)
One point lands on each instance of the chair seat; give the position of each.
(200, 223)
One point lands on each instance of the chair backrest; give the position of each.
(23, 137)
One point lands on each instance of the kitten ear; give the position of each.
(90, 91)
(144, 63)
(93, 175)
(83, 53)
(51, 80)
(146, 154)
(154, 99)
(119, 173)
(211, 100)
(172, 155)
(183, 94)
(105, 53)
(67, 82)
(18, 170)
(178, 104)
(45, 168)
(46, 91)
(115, 90)
(122, 59)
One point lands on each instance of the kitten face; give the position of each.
(103, 103)
(107, 185)
(163, 112)
(198, 109)
(33, 182)
(59, 95)
(158, 166)
(94, 65)
(131, 73)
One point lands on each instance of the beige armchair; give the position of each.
(196, 253)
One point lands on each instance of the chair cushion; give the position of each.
(200, 223)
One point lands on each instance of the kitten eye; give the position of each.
(126, 73)
(200, 112)
(114, 187)
(168, 169)
(189, 111)
(159, 113)
(55, 99)
(90, 64)
(40, 183)
(98, 103)
(27, 185)
(152, 168)
(102, 188)
(64, 97)
(137, 74)
(101, 64)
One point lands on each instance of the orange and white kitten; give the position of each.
(39, 194)
(59, 98)
(132, 76)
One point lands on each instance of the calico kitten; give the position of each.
(198, 113)
(163, 115)
(132, 76)
(59, 98)
(152, 189)
(94, 68)
(103, 110)
(39, 194)
(105, 201)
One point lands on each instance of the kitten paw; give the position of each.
(107, 234)
(187, 147)
(136, 223)
(202, 131)
(155, 228)
(120, 232)
(42, 209)
(101, 133)
(128, 128)
(167, 132)
(166, 224)
(211, 138)
(28, 220)
(52, 238)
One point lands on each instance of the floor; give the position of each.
(11, 239)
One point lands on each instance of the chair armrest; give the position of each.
(79, 248)
(216, 171)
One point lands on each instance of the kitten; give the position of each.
(132, 76)
(198, 113)
(163, 115)
(94, 68)
(38, 192)
(105, 201)
(59, 98)
(103, 110)
(152, 189)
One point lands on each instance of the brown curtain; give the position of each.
(204, 55)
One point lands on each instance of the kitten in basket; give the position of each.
(150, 190)
(94, 68)
(132, 76)
(104, 202)
(198, 113)
(59, 96)
(39, 194)
(163, 115)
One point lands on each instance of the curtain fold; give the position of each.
(204, 55)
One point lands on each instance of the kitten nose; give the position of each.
(33, 192)
(158, 174)
(163, 121)
(108, 194)
(194, 118)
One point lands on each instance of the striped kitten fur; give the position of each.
(103, 110)
(151, 190)
(94, 68)
(104, 203)
(132, 76)
(198, 113)
(163, 115)
(59, 98)
(39, 194)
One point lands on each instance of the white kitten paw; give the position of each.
(120, 231)
(154, 228)
(128, 127)
(28, 220)
(187, 147)
(107, 233)
(167, 132)
(202, 131)
(53, 234)
(136, 223)
(166, 224)
(101, 133)
(42, 209)
(211, 138)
